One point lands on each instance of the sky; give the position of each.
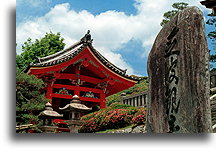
(122, 30)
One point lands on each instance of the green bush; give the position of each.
(30, 98)
(117, 105)
(137, 88)
(116, 98)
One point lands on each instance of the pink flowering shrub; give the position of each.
(108, 118)
(140, 117)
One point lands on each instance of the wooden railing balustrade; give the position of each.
(136, 100)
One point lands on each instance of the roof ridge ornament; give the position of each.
(87, 38)
(124, 71)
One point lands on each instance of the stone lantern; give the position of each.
(75, 108)
(47, 116)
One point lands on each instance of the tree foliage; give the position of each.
(29, 97)
(49, 44)
(212, 21)
(212, 35)
(169, 14)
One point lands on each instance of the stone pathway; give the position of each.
(135, 129)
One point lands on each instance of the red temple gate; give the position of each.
(80, 70)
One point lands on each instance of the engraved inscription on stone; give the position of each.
(171, 59)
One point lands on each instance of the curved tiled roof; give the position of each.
(60, 56)
(74, 50)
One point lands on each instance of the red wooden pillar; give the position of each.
(103, 101)
(77, 71)
(49, 92)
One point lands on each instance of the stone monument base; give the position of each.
(74, 125)
(214, 128)
(49, 129)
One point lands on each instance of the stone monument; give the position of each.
(178, 68)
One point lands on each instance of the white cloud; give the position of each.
(110, 30)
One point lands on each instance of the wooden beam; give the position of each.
(62, 96)
(90, 99)
(70, 87)
(82, 78)
(81, 98)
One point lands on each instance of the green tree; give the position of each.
(169, 14)
(212, 21)
(212, 35)
(49, 44)
(30, 99)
